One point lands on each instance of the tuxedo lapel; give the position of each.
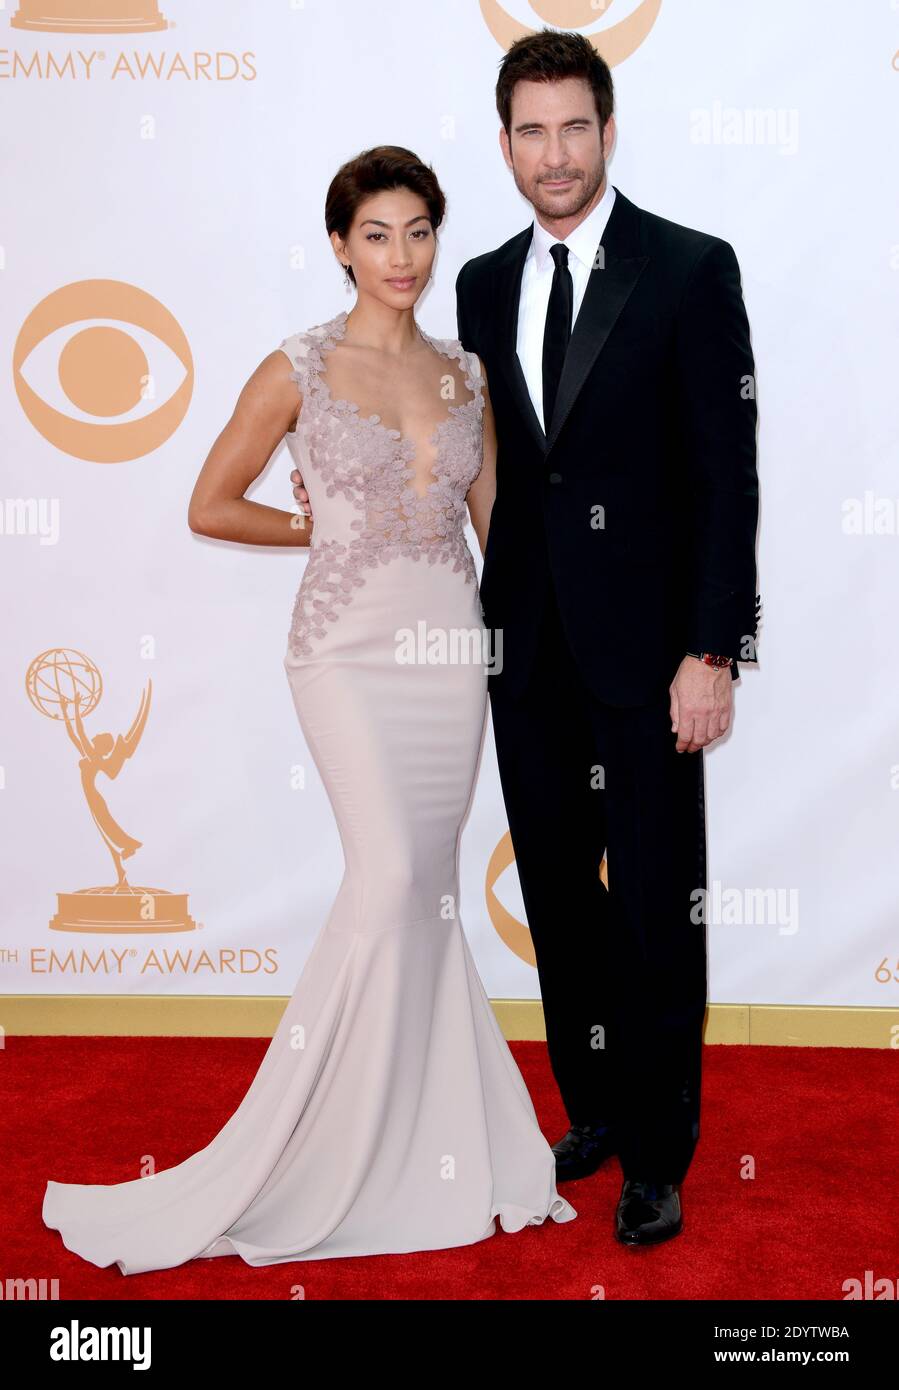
(510, 273)
(607, 292)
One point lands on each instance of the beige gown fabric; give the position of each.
(388, 1113)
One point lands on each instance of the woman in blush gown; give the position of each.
(388, 1113)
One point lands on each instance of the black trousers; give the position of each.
(623, 972)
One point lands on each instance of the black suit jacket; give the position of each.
(640, 506)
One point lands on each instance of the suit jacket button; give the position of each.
(555, 477)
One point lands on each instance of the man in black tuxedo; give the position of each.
(620, 568)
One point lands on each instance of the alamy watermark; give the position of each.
(449, 646)
(743, 907)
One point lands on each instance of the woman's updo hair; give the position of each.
(373, 171)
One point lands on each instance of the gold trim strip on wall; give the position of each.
(255, 1016)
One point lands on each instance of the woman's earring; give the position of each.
(346, 275)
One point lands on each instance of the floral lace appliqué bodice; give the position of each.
(364, 485)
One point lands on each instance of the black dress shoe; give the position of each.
(582, 1150)
(648, 1212)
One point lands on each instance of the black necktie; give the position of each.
(557, 330)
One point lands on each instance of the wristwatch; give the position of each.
(719, 662)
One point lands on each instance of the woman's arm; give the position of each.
(265, 410)
(483, 490)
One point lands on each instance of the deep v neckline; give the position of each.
(335, 332)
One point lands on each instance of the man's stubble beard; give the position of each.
(580, 195)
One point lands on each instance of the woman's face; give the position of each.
(391, 247)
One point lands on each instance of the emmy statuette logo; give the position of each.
(66, 687)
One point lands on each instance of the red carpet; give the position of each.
(818, 1124)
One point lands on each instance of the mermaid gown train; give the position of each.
(388, 1113)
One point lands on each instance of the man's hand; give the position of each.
(701, 704)
(300, 492)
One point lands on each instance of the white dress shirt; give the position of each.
(536, 283)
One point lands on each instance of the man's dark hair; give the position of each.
(549, 56)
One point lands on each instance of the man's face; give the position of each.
(554, 147)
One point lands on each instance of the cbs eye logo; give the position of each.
(614, 43)
(113, 367)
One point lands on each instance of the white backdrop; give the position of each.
(190, 165)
